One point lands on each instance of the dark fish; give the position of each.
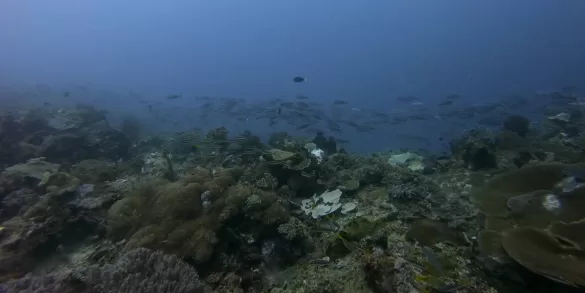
(66, 94)
(174, 96)
(352, 124)
(568, 89)
(302, 97)
(313, 130)
(303, 126)
(339, 102)
(302, 105)
(365, 128)
(577, 173)
(433, 260)
(575, 179)
(411, 138)
(408, 98)
(299, 79)
(446, 103)
(453, 97)
(279, 110)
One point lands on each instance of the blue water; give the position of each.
(367, 53)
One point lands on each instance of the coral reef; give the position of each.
(139, 270)
(72, 135)
(88, 208)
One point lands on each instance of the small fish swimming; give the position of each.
(575, 179)
(577, 173)
(433, 260)
(299, 79)
(446, 103)
(174, 96)
(301, 127)
(195, 148)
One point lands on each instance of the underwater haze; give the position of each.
(366, 53)
(324, 146)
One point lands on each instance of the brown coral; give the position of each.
(492, 198)
(380, 272)
(546, 254)
(526, 212)
(529, 197)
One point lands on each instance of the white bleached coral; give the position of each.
(325, 204)
(318, 154)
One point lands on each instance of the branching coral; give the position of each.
(141, 270)
(42, 284)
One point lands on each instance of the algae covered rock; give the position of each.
(279, 155)
(408, 160)
(95, 171)
(296, 161)
(34, 168)
(350, 185)
(59, 183)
